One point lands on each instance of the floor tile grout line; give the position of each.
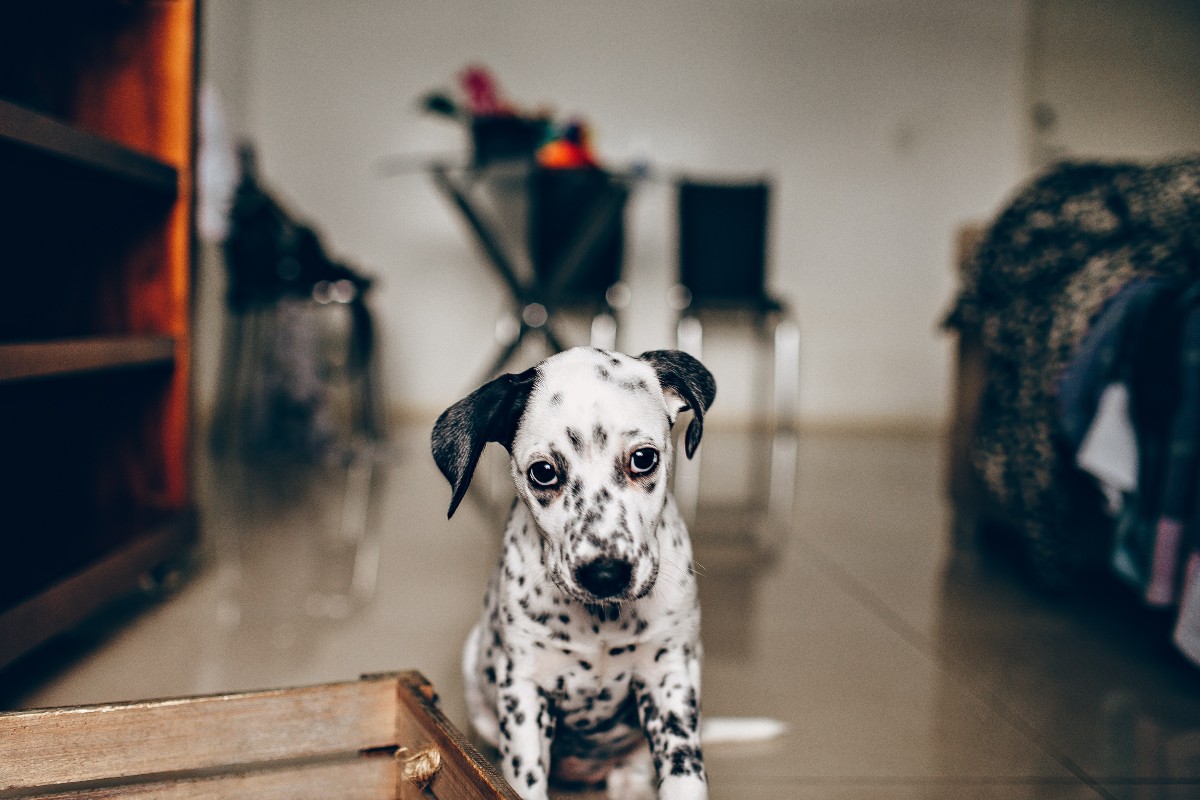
(898, 625)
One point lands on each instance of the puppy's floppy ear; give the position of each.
(682, 374)
(488, 414)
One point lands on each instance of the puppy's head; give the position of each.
(589, 435)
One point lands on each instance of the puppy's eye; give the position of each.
(543, 474)
(643, 461)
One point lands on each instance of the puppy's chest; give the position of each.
(581, 657)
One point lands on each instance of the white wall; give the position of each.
(1119, 78)
(884, 123)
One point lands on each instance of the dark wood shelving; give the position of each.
(20, 127)
(97, 147)
(73, 599)
(64, 357)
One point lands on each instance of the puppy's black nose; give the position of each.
(605, 577)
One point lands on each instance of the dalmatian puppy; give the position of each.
(585, 666)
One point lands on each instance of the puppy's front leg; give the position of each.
(669, 708)
(526, 728)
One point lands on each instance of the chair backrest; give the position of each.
(723, 243)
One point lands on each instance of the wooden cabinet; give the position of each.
(97, 120)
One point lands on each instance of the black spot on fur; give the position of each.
(686, 760)
(600, 436)
(576, 440)
(560, 465)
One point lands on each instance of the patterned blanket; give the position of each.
(1063, 246)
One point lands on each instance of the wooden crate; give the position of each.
(379, 737)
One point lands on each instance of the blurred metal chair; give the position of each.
(722, 261)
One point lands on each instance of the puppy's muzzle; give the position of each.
(605, 577)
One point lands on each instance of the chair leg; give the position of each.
(604, 331)
(689, 337)
(786, 388)
(784, 439)
(222, 425)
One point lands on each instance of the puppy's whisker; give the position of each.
(683, 567)
(674, 580)
(691, 565)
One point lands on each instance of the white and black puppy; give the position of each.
(585, 667)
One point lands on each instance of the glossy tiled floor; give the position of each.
(902, 670)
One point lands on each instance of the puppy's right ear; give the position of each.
(488, 414)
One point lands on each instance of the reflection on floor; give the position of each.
(902, 670)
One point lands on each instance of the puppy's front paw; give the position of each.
(634, 779)
(683, 787)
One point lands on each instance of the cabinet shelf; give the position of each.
(31, 131)
(65, 357)
(66, 603)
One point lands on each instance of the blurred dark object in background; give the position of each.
(563, 204)
(298, 376)
(507, 138)
(499, 131)
(270, 255)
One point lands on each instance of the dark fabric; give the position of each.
(1179, 480)
(1160, 367)
(1054, 256)
(1097, 362)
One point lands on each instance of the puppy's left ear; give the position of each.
(489, 414)
(684, 376)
